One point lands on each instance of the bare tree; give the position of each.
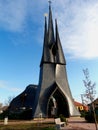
(1, 106)
(8, 101)
(90, 92)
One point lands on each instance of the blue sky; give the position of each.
(21, 42)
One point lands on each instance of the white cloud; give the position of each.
(77, 21)
(8, 89)
(12, 14)
(5, 85)
(2, 84)
(78, 25)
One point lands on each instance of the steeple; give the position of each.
(50, 28)
(53, 77)
(53, 82)
(52, 49)
(59, 55)
(44, 56)
(47, 56)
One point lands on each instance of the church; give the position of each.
(52, 96)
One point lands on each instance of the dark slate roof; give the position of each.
(25, 99)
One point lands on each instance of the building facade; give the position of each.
(52, 96)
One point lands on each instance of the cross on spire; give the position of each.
(49, 2)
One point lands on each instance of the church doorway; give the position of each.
(58, 104)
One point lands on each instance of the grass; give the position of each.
(28, 126)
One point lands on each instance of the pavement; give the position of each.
(78, 123)
(74, 123)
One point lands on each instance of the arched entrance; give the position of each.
(57, 104)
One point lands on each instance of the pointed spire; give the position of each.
(45, 31)
(45, 41)
(48, 39)
(50, 27)
(60, 55)
(46, 56)
(52, 49)
(49, 2)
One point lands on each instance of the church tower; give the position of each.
(53, 96)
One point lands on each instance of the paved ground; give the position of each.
(77, 123)
(74, 123)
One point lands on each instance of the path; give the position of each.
(77, 123)
(74, 123)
